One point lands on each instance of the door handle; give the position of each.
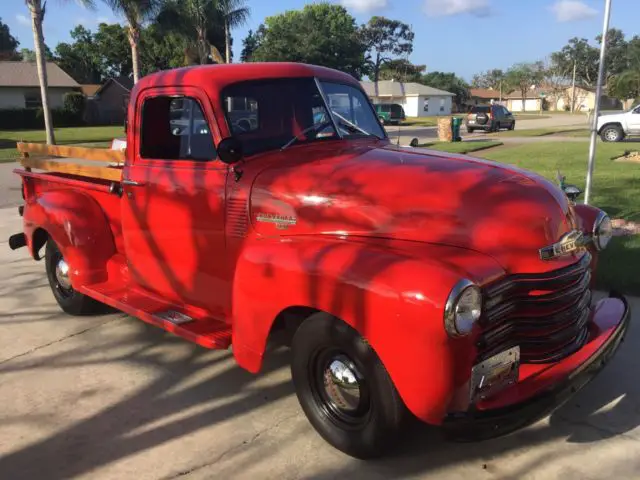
(132, 183)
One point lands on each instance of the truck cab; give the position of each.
(254, 198)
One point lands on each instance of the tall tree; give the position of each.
(8, 43)
(524, 76)
(135, 12)
(402, 70)
(82, 58)
(493, 79)
(234, 14)
(249, 45)
(450, 83)
(37, 11)
(385, 39)
(321, 33)
(616, 61)
(586, 58)
(627, 84)
(28, 55)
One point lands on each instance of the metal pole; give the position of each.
(596, 110)
(573, 88)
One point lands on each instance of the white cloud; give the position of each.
(441, 8)
(23, 20)
(364, 6)
(572, 10)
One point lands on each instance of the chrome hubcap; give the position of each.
(342, 384)
(611, 135)
(62, 275)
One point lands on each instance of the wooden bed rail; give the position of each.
(49, 159)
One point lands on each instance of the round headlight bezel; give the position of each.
(601, 239)
(455, 325)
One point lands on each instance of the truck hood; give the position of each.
(411, 194)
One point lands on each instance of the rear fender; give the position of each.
(394, 300)
(77, 224)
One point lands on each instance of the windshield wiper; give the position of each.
(352, 127)
(315, 126)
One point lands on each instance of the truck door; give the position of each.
(173, 201)
(633, 121)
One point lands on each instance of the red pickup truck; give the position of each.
(259, 197)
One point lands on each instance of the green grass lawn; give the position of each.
(542, 132)
(96, 136)
(462, 147)
(616, 189)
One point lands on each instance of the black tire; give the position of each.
(382, 120)
(367, 428)
(612, 133)
(470, 130)
(512, 126)
(70, 301)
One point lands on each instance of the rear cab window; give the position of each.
(175, 128)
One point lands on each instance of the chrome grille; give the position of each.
(545, 314)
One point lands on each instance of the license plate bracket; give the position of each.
(494, 374)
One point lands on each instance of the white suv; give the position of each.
(613, 128)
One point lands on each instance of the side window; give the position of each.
(242, 113)
(637, 109)
(175, 128)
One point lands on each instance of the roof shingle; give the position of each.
(25, 74)
(391, 88)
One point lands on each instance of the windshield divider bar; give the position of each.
(326, 106)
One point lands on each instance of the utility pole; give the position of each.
(596, 110)
(573, 88)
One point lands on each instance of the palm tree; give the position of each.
(234, 13)
(135, 12)
(199, 22)
(37, 10)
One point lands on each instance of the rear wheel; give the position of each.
(344, 389)
(612, 133)
(470, 130)
(382, 120)
(512, 126)
(71, 301)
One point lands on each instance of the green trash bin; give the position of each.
(456, 123)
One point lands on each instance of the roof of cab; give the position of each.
(219, 76)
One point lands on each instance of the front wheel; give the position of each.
(71, 301)
(344, 389)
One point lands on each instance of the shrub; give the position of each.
(74, 102)
(33, 118)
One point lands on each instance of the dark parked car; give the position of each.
(390, 113)
(489, 118)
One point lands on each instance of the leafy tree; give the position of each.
(616, 61)
(627, 84)
(322, 34)
(249, 45)
(8, 43)
(493, 79)
(234, 14)
(82, 58)
(135, 12)
(402, 70)
(164, 50)
(523, 76)
(450, 83)
(385, 39)
(28, 55)
(37, 11)
(585, 57)
(113, 50)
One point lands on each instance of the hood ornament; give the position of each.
(569, 243)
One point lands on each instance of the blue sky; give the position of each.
(463, 36)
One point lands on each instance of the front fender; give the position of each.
(586, 216)
(78, 225)
(394, 297)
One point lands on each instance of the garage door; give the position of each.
(531, 105)
(516, 105)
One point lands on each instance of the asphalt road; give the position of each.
(110, 397)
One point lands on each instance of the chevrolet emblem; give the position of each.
(569, 243)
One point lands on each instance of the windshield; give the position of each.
(272, 114)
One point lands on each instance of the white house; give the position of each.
(20, 87)
(416, 99)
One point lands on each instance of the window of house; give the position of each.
(442, 104)
(32, 99)
(175, 128)
(426, 105)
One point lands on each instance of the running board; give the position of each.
(206, 332)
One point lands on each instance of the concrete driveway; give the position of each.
(111, 397)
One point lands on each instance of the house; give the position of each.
(559, 99)
(109, 102)
(20, 85)
(483, 96)
(532, 102)
(417, 100)
(90, 89)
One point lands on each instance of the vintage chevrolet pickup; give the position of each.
(257, 197)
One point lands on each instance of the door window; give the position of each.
(175, 128)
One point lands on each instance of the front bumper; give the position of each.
(495, 418)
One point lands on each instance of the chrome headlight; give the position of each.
(463, 308)
(602, 231)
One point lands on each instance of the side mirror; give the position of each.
(572, 192)
(230, 150)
